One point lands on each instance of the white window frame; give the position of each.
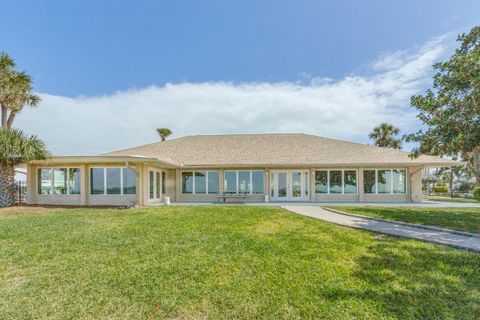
(52, 182)
(193, 182)
(391, 181)
(105, 181)
(328, 181)
(250, 180)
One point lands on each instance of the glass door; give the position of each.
(282, 185)
(289, 185)
(296, 178)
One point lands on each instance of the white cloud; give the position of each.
(347, 108)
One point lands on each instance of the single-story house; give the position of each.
(210, 168)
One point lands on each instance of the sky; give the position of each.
(110, 72)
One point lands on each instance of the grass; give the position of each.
(222, 263)
(450, 199)
(461, 219)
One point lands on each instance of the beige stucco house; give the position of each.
(247, 167)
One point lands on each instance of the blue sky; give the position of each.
(95, 55)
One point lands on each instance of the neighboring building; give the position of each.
(263, 167)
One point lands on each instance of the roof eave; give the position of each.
(57, 160)
(320, 165)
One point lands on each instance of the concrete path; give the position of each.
(390, 228)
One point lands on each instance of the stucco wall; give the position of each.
(173, 188)
(84, 198)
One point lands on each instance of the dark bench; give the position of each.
(234, 196)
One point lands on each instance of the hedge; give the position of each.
(440, 189)
(476, 193)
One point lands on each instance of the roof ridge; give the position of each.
(245, 134)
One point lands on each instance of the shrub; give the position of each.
(464, 187)
(476, 193)
(440, 189)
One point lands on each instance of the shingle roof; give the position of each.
(272, 150)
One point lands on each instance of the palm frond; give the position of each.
(16, 147)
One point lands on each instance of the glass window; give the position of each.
(164, 182)
(384, 181)
(230, 182)
(321, 181)
(151, 184)
(60, 181)
(97, 182)
(272, 185)
(158, 190)
(200, 182)
(282, 184)
(74, 180)
(129, 183)
(187, 182)
(113, 181)
(296, 184)
(257, 182)
(44, 184)
(212, 182)
(244, 182)
(399, 185)
(369, 181)
(335, 181)
(350, 181)
(306, 184)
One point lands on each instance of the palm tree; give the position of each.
(164, 133)
(16, 148)
(385, 136)
(15, 91)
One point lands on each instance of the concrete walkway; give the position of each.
(390, 228)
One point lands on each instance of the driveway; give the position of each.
(390, 228)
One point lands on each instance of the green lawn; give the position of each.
(222, 262)
(461, 219)
(450, 199)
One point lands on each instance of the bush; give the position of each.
(464, 187)
(440, 189)
(476, 193)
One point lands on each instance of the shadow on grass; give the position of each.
(417, 280)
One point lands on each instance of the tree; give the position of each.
(164, 133)
(385, 136)
(15, 91)
(451, 109)
(16, 148)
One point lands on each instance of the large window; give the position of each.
(200, 182)
(399, 181)
(230, 182)
(112, 181)
(321, 181)
(212, 182)
(244, 181)
(336, 181)
(384, 181)
(349, 181)
(155, 184)
(129, 181)
(58, 181)
(164, 182)
(187, 182)
(369, 181)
